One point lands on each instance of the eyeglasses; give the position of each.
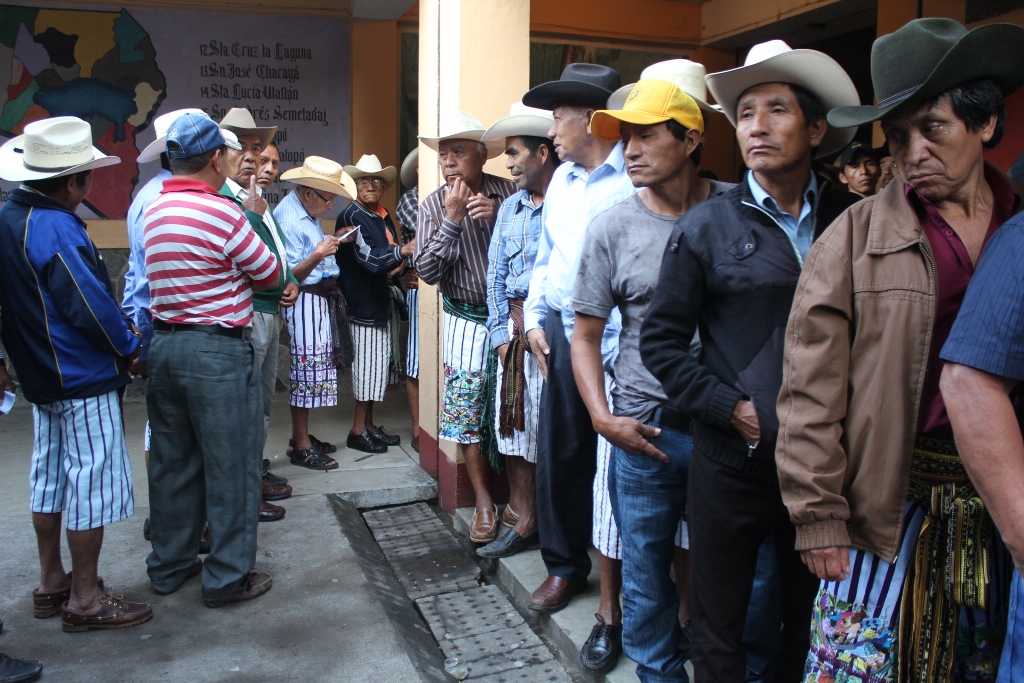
(370, 182)
(325, 199)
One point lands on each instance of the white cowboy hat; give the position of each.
(369, 165)
(777, 62)
(410, 173)
(160, 125)
(689, 76)
(322, 174)
(521, 120)
(239, 121)
(51, 148)
(458, 125)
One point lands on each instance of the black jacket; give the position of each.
(729, 271)
(365, 265)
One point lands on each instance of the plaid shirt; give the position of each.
(408, 207)
(510, 260)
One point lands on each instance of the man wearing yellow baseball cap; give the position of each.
(661, 127)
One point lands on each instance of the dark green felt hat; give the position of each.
(927, 57)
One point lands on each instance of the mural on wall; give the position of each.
(120, 69)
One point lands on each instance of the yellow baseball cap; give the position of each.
(649, 102)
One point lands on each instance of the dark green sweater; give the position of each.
(266, 301)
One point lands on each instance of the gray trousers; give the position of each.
(266, 334)
(203, 401)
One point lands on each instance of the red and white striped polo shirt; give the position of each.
(199, 250)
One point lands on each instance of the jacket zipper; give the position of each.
(792, 242)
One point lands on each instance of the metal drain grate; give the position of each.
(424, 555)
(482, 629)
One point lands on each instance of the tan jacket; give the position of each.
(855, 360)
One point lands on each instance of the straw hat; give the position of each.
(458, 125)
(51, 148)
(240, 122)
(521, 120)
(322, 174)
(160, 125)
(410, 173)
(777, 62)
(689, 76)
(369, 165)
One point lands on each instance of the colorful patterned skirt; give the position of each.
(313, 377)
(465, 348)
(933, 615)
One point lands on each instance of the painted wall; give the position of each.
(375, 86)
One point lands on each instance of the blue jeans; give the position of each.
(761, 633)
(1011, 666)
(648, 499)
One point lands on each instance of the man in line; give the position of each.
(591, 179)
(242, 187)
(455, 225)
(270, 163)
(72, 346)
(887, 168)
(982, 370)
(730, 271)
(867, 463)
(532, 161)
(858, 169)
(203, 261)
(367, 266)
(661, 127)
(313, 322)
(135, 302)
(407, 210)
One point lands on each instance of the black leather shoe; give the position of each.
(600, 653)
(270, 477)
(363, 442)
(509, 544)
(380, 436)
(146, 533)
(18, 670)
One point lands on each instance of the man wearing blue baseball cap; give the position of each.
(203, 261)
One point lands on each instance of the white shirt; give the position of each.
(241, 194)
(573, 198)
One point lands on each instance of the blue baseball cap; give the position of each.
(191, 135)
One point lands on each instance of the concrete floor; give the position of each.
(320, 622)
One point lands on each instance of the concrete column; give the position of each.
(474, 56)
(375, 84)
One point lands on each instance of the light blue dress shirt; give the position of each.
(302, 233)
(573, 198)
(136, 285)
(799, 230)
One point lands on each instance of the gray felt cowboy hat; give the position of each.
(927, 57)
(587, 84)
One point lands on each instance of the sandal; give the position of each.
(322, 446)
(312, 459)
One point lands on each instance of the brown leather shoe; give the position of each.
(270, 512)
(484, 526)
(114, 612)
(45, 605)
(275, 492)
(253, 585)
(555, 593)
(510, 517)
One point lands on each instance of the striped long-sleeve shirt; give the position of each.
(454, 255)
(199, 250)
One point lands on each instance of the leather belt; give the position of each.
(236, 332)
(673, 419)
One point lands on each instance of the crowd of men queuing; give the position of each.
(782, 410)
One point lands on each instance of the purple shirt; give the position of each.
(954, 267)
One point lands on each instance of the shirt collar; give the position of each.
(239, 191)
(179, 184)
(768, 203)
(614, 162)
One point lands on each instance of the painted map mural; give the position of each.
(99, 66)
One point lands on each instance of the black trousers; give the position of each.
(730, 514)
(566, 464)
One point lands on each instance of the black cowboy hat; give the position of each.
(927, 57)
(587, 84)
